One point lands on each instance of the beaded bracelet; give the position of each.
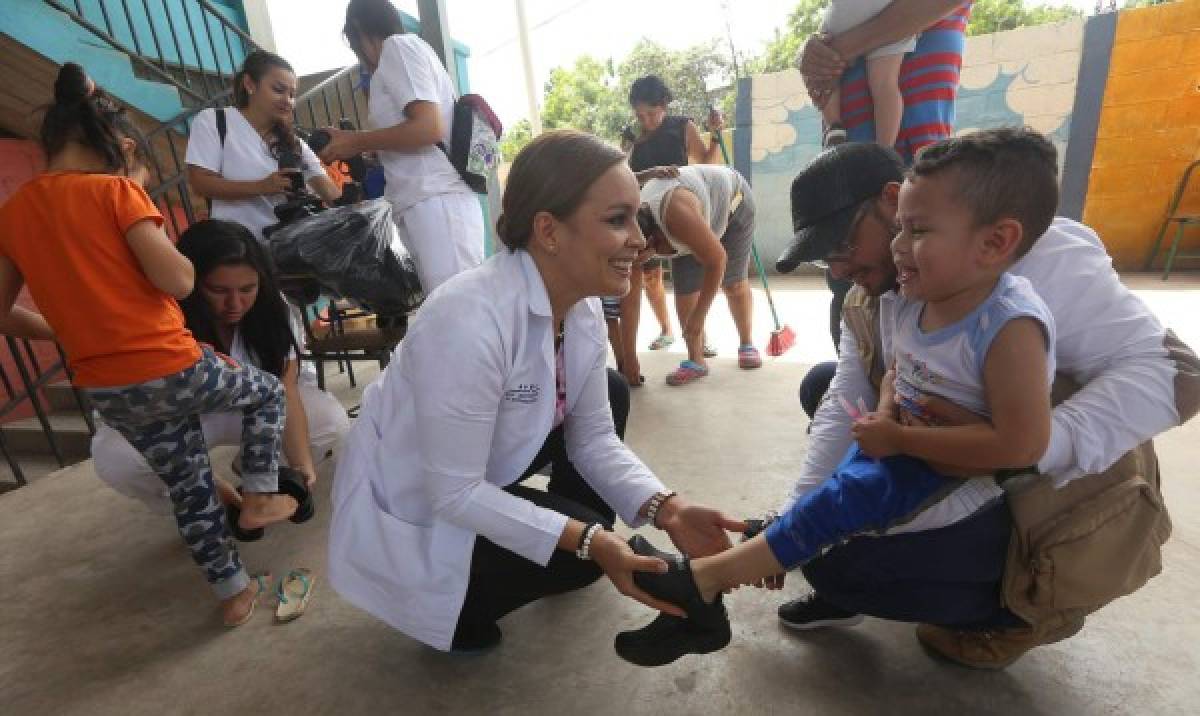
(656, 502)
(584, 550)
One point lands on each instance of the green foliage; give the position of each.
(593, 95)
(515, 137)
(686, 72)
(583, 97)
(989, 16)
(780, 53)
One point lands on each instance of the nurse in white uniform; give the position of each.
(503, 371)
(236, 308)
(241, 174)
(411, 108)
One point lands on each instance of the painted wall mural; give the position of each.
(1025, 76)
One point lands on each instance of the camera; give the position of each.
(300, 201)
(355, 167)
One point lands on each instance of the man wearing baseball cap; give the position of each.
(1127, 379)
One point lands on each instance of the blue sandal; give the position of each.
(293, 591)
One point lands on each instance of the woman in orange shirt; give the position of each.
(88, 241)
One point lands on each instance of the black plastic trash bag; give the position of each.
(354, 252)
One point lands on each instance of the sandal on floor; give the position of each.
(709, 351)
(663, 341)
(261, 580)
(687, 372)
(748, 358)
(291, 483)
(293, 591)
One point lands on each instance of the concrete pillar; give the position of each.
(535, 116)
(435, 29)
(258, 20)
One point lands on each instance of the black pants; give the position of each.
(502, 581)
(815, 385)
(949, 576)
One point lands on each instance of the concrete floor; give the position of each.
(102, 612)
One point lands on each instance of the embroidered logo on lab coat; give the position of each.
(523, 394)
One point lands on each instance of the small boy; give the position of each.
(963, 329)
(883, 73)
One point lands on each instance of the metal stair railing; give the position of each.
(315, 107)
(33, 380)
(173, 41)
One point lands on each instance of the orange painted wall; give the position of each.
(1149, 128)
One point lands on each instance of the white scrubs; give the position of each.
(438, 216)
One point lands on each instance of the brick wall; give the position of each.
(1149, 128)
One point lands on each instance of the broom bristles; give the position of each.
(781, 341)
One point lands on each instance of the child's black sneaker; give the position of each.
(813, 612)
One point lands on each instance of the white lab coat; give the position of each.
(458, 415)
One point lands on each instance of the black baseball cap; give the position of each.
(827, 194)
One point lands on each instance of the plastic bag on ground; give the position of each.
(354, 252)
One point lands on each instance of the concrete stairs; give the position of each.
(27, 443)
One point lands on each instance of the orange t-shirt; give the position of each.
(65, 232)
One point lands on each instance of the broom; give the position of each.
(783, 337)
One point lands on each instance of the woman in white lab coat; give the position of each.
(502, 372)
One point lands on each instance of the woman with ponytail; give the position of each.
(412, 111)
(238, 309)
(240, 173)
(89, 243)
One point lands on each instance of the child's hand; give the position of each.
(878, 435)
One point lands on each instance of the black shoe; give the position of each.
(476, 638)
(813, 612)
(642, 547)
(233, 513)
(291, 483)
(667, 638)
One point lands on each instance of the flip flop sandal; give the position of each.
(232, 514)
(748, 358)
(687, 372)
(261, 580)
(291, 483)
(709, 351)
(294, 592)
(663, 341)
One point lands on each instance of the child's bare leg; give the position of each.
(883, 77)
(235, 608)
(747, 563)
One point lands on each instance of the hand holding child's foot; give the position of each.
(260, 509)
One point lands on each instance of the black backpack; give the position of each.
(474, 141)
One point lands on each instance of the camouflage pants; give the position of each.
(161, 420)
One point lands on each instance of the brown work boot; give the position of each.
(993, 648)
